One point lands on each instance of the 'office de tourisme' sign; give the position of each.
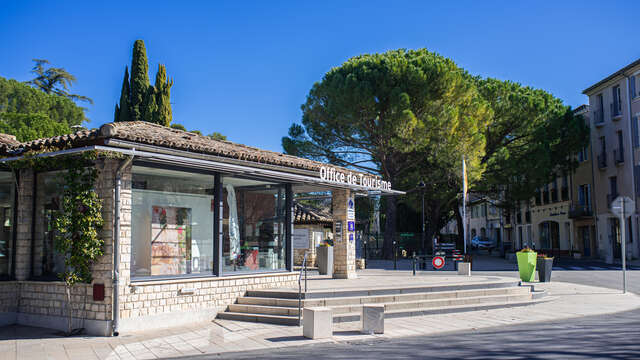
(334, 175)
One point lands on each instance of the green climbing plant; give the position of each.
(77, 224)
(77, 227)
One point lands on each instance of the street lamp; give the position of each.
(422, 186)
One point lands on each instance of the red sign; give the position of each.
(438, 262)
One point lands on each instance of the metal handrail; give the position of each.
(303, 268)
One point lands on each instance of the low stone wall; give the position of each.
(165, 303)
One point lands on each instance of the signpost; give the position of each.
(437, 262)
(623, 206)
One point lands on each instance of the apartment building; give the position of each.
(582, 210)
(614, 104)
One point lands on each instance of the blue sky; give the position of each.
(244, 68)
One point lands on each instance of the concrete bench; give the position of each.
(317, 323)
(372, 319)
(464, 268)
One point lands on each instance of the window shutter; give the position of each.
(637, 177)
(634, 132)
(632, 86)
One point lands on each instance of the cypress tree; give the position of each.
(163, 114)
(123, 110)
(149, 108)
(139, 101)
(139, 80)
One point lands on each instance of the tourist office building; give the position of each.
(190, 224)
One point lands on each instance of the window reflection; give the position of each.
(172, 222)
(253, 225)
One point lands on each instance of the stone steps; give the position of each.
(388, 306)
(280, 306)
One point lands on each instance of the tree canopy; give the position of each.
(411, 116)
(30, 114)
(394, 114)
(55, 81)
(530, 140)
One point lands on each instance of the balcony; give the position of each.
(616, 111)
(602, 161)
(578, 210)
(618, 156)
(598, 118)
(610, 198)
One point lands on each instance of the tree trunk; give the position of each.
(70, 327)
(460, 223)
(389, 226)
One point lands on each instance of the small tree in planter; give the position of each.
(77, 226)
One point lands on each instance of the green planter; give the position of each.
(527, 265)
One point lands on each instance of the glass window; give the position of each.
(171, 222)
(7, 193)
(253, 225)
(49, 191)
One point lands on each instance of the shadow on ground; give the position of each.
(599, 337)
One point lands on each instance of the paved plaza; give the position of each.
(566, 300)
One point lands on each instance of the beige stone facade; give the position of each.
(614, 107)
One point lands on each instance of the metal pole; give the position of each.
(423, 232)
(623, 233)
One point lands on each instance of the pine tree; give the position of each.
(163, 115)
(123, 109)
(139, 80)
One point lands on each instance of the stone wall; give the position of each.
(8, 296)
(164, 303)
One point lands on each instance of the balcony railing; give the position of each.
(618, 155)
(598, 117)
(610, 198)
(616, 111)
(602, 160)
(578, 210)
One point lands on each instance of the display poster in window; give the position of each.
(170, 240)
(300, 238)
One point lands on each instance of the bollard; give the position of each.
(414, 263)
(395, 257)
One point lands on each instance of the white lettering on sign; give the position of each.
(332, 174)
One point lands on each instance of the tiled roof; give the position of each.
(162, 136)
(305, 214)
(8, 140)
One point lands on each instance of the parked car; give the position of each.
(482, 243)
